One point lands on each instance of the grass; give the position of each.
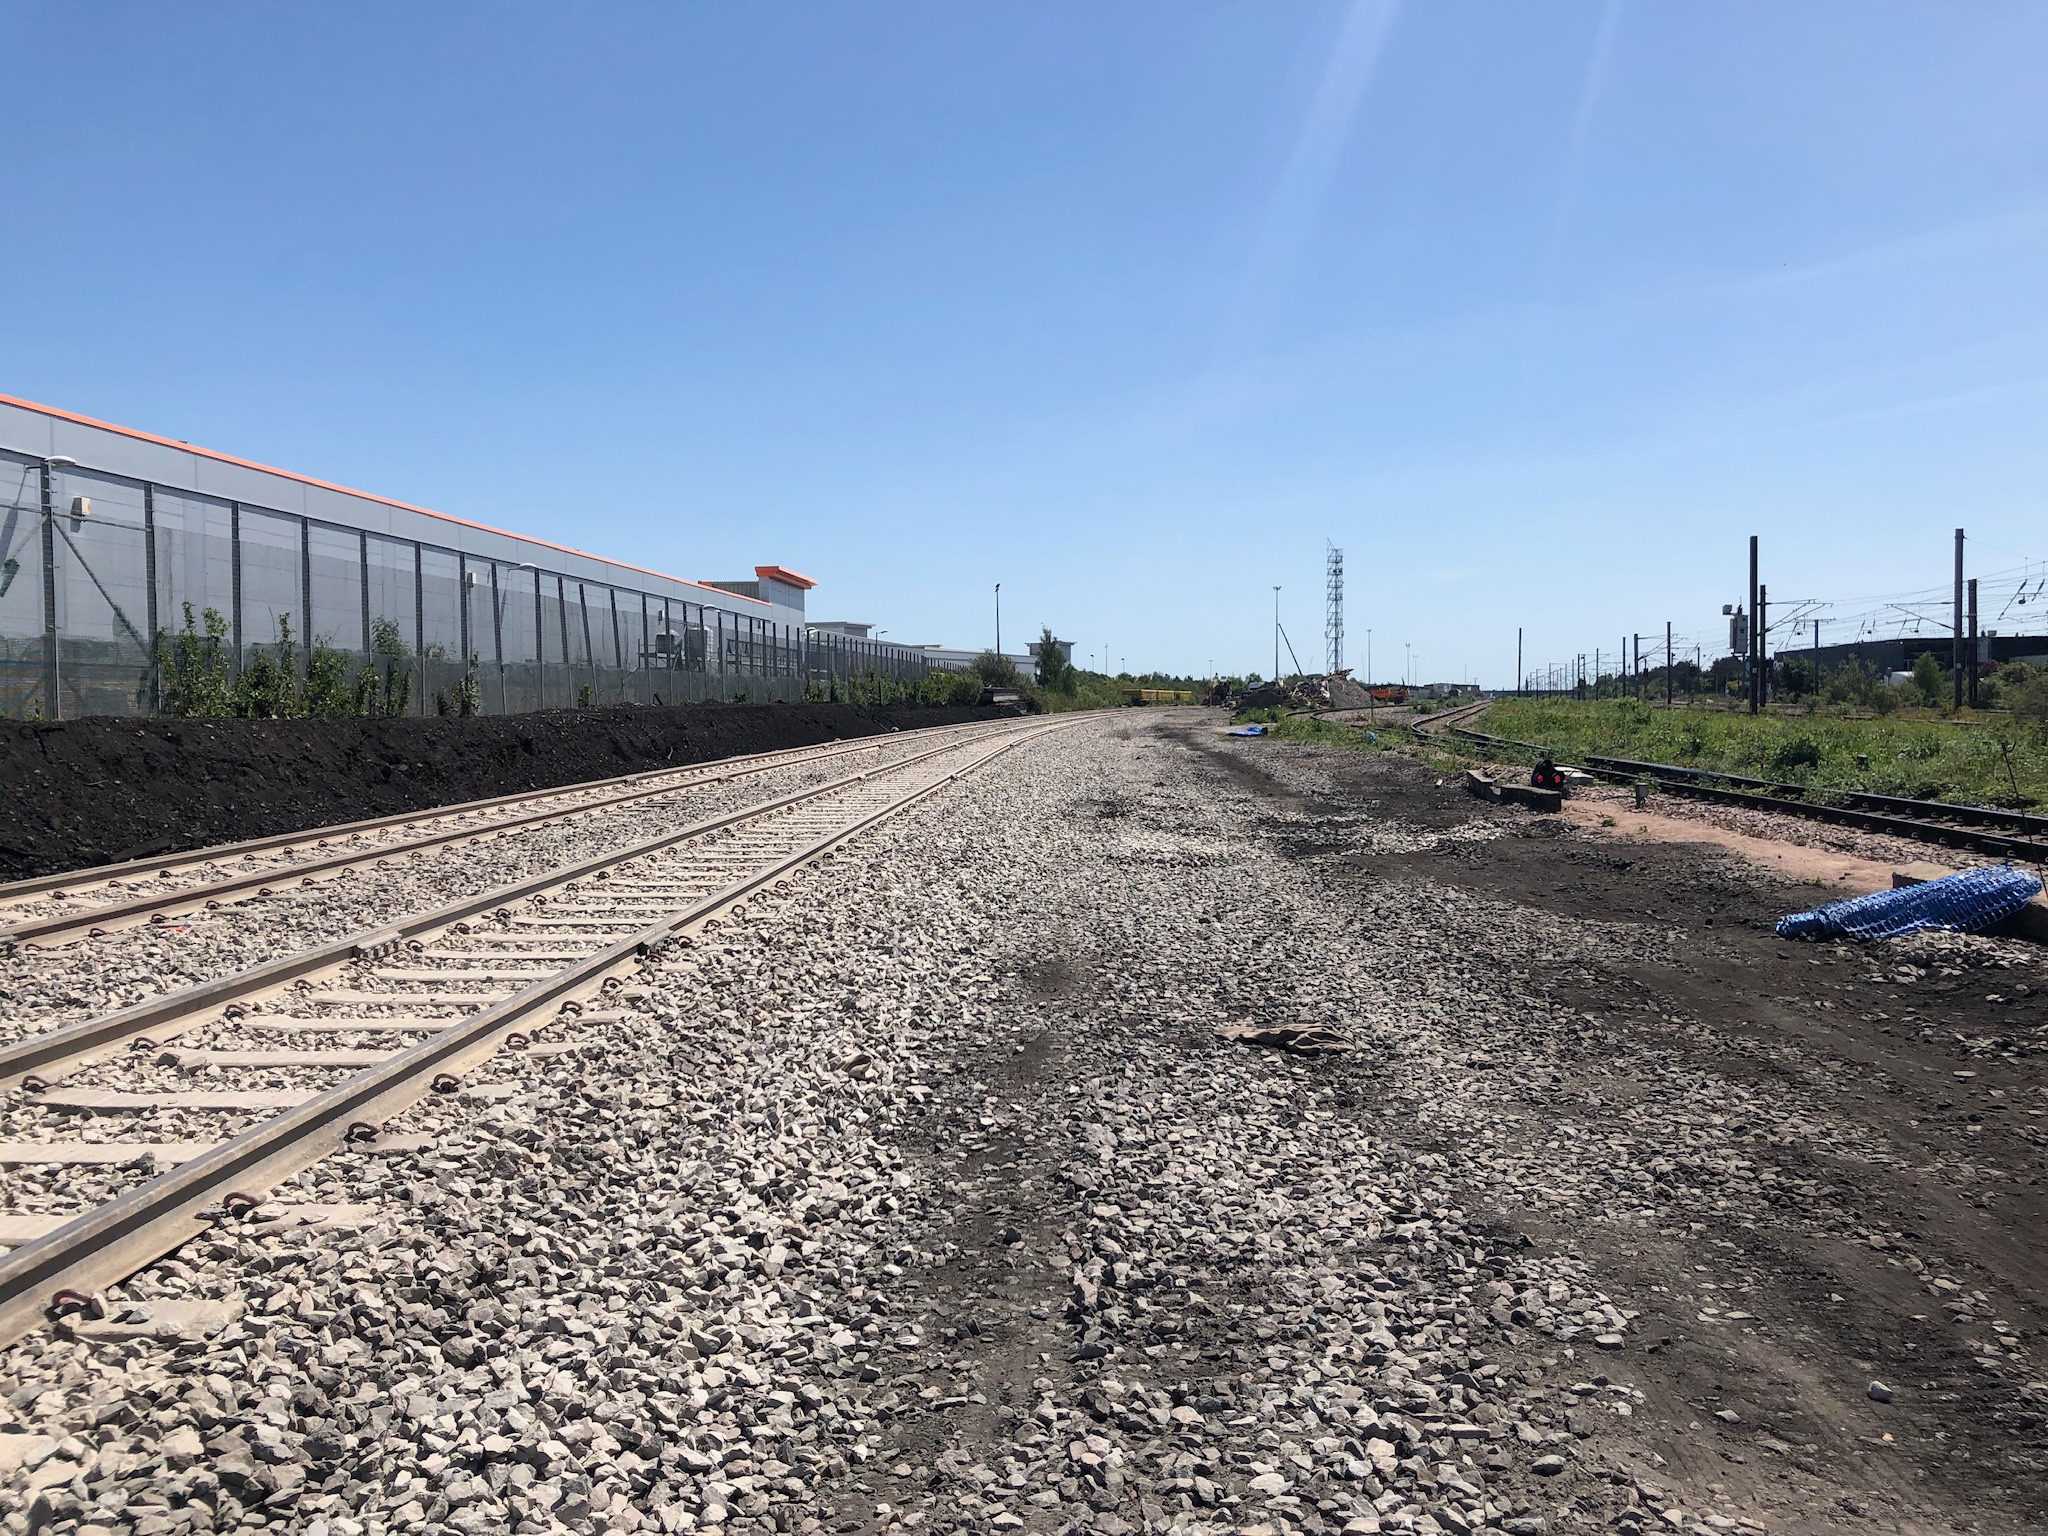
(1281, 726)
(1998, 762)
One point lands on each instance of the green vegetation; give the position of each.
(1281, 726)
(466, 698)
(997, 671)
(1098, 690)
(276, 682)
(879, 689)
(197, 667)
(1056, 674)
(1982, 760)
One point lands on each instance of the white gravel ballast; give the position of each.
(927, 1195)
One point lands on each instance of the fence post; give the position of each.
(540, 647)
(235, 579)
(419, 620)
(498, 640)
(306, 592)
(618, 645)
(53, 707)
(589, 652)
(156, 676)
(562, 619)
(462, 598)
(363, 585)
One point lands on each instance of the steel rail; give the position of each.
(101, 874)
(1861, 799)
(1494, 741)
(1429, 725)
(1790, 800)
(157, 906)
(1921, 830)
(156, 1021)
(114, 1240)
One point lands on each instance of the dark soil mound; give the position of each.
(95, 791)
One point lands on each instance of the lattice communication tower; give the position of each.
(1333, 607)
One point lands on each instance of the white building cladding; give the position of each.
(106, 534)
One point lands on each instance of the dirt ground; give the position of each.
(972, 1215)
(1923, 1270)
(84, 792)
(1833, 874)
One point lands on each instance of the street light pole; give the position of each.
(999, 618)
(1276, 634)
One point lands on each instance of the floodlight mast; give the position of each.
(1333, 607)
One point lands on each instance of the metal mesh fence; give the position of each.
(101, 576)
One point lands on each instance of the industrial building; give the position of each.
(1884, 657)
(952, 658)
(109, 536)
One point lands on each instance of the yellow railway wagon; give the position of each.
(1158, 696)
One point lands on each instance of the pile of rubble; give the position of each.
(1335, 690)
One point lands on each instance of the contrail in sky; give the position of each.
(1298, 200)
(1582, 131)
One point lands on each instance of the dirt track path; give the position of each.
(1812, 1168)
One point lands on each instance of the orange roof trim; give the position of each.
(328, 485)
(785, 575)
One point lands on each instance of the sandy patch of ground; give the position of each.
(1843, 874)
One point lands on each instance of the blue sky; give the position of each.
(1538, 311)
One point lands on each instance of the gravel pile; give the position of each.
(927, 1196)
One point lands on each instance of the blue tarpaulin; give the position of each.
(1968, 902)
(1249, 730)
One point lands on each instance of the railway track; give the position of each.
(316, 1050)
(1430, 725)
(53, 909)
(1980, 829)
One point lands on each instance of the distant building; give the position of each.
(1066, 652)
(782, 589)
(842, 627)
(1898, 655)
(959, 661)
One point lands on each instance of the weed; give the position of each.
(1889, 754)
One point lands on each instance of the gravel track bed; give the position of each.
(41, 989)
(928, 1197)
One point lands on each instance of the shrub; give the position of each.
(391, 693)
(330, 691)
(997, 671)
(1794, 753)
(1055, 673)
(1927, 679)
(268, 688)
(196, 668)
(949, 688)
(2026, 690)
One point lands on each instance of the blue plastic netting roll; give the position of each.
(1968, 902)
